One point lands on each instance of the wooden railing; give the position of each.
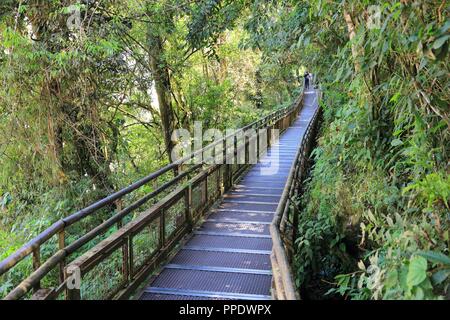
(116, 265)
(283, 228)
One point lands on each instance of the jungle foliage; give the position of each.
(88, 108)
(375, 219)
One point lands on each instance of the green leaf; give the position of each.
(419, 294)
(395, 97)
(391, 279)
(435, 257)
(441, 124)
(417, 271)
(396, 142)
(445, 27)
(440, 41)
(440, 276)
(22, 8)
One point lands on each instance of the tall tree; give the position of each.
(161, 77)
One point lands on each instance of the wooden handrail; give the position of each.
(283, 287)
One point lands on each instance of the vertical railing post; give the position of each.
(130, 258)
(36, 265)
(188, 207)
(246, 149)
(219, 185)
(257, 144)
(61, 245)
(204, 188)
(226, 168)
(206, 195)
(235, 157)
(162, 228)
(125, 263)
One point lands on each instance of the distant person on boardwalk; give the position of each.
(306, 80)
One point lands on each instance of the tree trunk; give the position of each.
(258, 93)
(161, 79)
(351, 34)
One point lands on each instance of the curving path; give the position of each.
(228, 257)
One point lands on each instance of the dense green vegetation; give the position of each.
(88, 109)
(375, 223)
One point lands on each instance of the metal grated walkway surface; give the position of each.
(228, 257)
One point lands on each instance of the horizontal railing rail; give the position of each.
(201, 182)
(283, 228)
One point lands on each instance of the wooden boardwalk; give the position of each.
(228, 257)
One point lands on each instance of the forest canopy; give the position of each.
(92, 90)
